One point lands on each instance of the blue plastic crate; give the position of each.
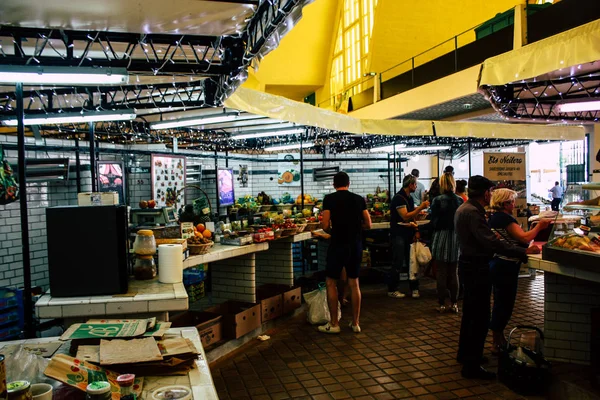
(12, 300)
(193, 276)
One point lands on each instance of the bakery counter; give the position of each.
(142, 298)
(587, 273)
(221, 252)
(199, 379)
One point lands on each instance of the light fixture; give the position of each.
(30, 75)
(206, 120)
(387, 149)
(290, 147)
(256, 135)
(580, 106)
(72, 118)
(402, 148)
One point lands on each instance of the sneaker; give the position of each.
(327, 328)
(441, 309)
(397, 294)
(415, 294)
(355, 328)
(454, 308)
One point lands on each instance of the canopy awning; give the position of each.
(278, 107)
(557, 53)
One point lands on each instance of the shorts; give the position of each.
(344, 255)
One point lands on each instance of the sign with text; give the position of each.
(504, 166)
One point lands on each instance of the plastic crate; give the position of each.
(193, 276)
(10, 332)
(11, 301)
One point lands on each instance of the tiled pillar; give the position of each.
(322, 254)
(234, 279)
(275, 265)
(567, 317)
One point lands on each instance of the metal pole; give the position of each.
(77, 165)
(217, 184)
(389, 177)
(455, 53)
(469, 142)
(93, 155)
(301, 171)
(27, 303)
(394, 149)
(438, 164)
(226, 159)
(412, 72)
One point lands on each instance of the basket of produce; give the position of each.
(197, 212)
(199, 245)
(300, 228)
(288, 232)
(277, 233)
(311, 226)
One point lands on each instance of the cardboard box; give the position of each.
(271, 302)
(87, 199)
(239, 318)
(209, 325)
(291, 296)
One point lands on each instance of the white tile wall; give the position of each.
(234, 279)
(567, 313)
(275, 265)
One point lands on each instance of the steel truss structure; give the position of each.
(539, 100)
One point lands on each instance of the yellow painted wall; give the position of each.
(405, 28)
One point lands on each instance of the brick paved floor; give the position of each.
(406, 350)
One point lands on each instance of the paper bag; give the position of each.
(129, 351)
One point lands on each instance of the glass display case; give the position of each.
(575, 236)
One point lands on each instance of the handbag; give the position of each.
(9, 188)
(523, 369)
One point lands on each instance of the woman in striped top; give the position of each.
(504, 271)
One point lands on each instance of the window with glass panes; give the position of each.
(352, 45)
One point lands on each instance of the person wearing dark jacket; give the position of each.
(478, 244)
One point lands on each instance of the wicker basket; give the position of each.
(199, 249)
(300, 228)
(311, 226)
(289, 232)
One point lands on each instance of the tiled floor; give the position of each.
(406, 350)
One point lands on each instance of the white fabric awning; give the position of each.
(284, 109)
(560, 52)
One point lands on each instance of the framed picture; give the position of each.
(168, 180)
(111, 178)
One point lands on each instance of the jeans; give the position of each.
(504, 276)
(555, 204)
(476, 312)
(447, 281)
(400, 263)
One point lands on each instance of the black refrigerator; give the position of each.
(87, 250)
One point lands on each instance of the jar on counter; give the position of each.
(19, 390)
(144, 243)
(99, 390)
(144, 268)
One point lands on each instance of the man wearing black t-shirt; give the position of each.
(345, 215)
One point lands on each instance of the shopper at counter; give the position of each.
(418, 194)
(504, 270)
(403, 210)
(345, 214)
(461, 189)
(477, 246)
(444, 247)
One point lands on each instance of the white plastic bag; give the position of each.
(318, 309)
(420, 257)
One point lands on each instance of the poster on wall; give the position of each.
(225, 185)
(289, 173)
(168, 178)
(111, 178)
(509, 170)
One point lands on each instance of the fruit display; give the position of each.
(264, 199)
(286, 198)
(308, 199)
(247, 203)
(198, 240)
(147, 204)
(577, 242)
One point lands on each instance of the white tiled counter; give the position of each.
(221, 252)
(276, 265)
(570, 295)
(198, 379)
(380, 225)
(143, 297)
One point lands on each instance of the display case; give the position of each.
(575, 236)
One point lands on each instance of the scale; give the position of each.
(153, 216)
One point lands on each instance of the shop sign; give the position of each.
(504, 166)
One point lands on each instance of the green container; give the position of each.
(505, 19)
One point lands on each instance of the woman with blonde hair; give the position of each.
(504, 271)
(444, 247)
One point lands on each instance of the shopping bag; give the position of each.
(420, 257)
(318, 309)
(9, 188)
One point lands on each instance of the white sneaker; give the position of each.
(441, 309)
(415, 294)
(327, 328)
(397, 294)
(454, 308)
(355, 328)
